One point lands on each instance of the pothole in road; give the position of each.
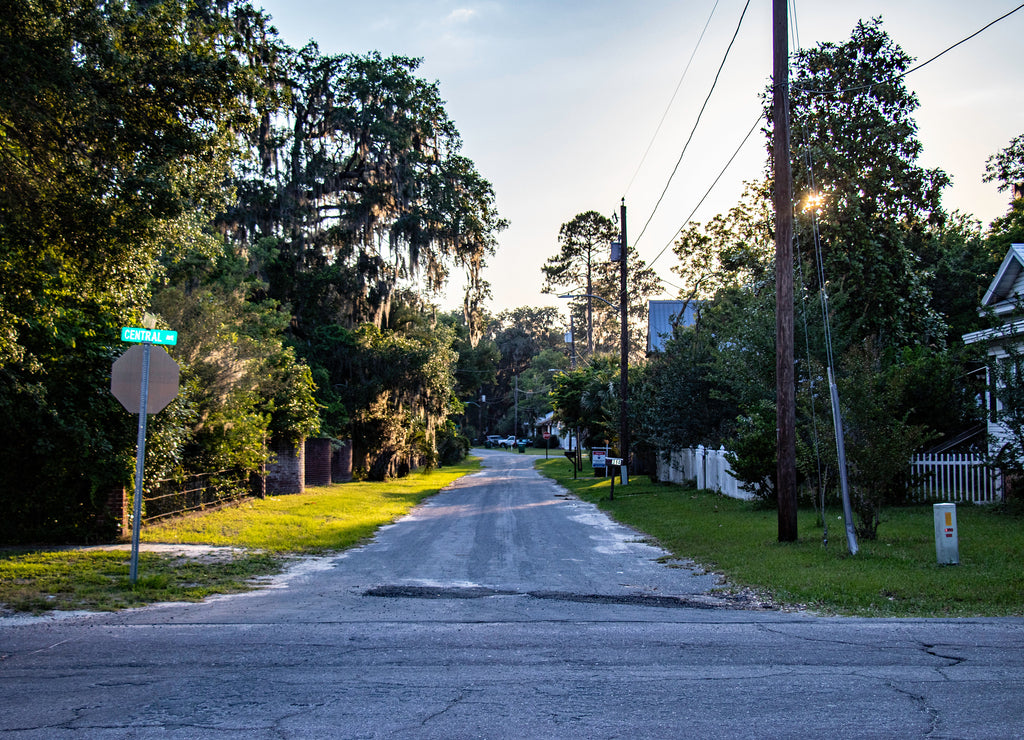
(696, 601)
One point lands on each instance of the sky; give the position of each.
(558, 103)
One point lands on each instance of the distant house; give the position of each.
(1004, 298)
(663, 317)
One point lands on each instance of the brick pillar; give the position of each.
(341, 461)
(318, 462)
(287, 473)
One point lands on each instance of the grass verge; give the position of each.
(894, 576)
(322, 520)
(97, 580)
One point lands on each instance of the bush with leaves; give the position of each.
(452, 447)
(752, 452)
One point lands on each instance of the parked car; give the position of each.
(509, 441)
(493, 440)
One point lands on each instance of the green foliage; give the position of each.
(879, 439)
(355, 199)
(893, 576)
(904, 280)
(529, 342)
(752, 451)
(116, 128)
(854, 143)
(120, 129)
(732, 250)
(452, 447)
(243, 384)
(585, 244)
(879, 428)
(1006, 230)
(359, 179)
(402, 388)
(587, 399)
(959, 265)
(582, 266)
(677, 400)
(1007, 166)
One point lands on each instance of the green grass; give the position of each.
(323, 519)
(895, 575)
(94, 580)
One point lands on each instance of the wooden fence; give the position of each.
(949, 478)
(196, 492)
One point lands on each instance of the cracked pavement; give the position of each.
(504, 608)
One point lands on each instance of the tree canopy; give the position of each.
(855, 165)
(283, 209)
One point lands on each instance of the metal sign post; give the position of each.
(140, 459)
(130, 372)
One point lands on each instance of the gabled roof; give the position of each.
(662, 316)
(1001, 295)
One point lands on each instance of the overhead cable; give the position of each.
(695, 124)
(672, 99)
(903, 74)
(708, 191)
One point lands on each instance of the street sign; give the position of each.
(153, 336)
(547, 435)
(126, 379)
(144, 379)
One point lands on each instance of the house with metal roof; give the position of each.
(663, 317)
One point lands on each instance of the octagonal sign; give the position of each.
(126, 379)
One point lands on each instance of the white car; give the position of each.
(509, 441)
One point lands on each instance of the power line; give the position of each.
(708, 191)
(672, 99)
(680, 288)
(751, 131)
(695, 124)
(912, 69)
(963, 40)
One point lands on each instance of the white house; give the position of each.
(1005, 299)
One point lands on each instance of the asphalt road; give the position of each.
(504, 608)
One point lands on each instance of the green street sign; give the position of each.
(153, 336)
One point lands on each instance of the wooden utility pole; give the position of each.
(785, 393)
(624, 346)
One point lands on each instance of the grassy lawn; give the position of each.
(896, 575)
(97, 580)
(324, 519)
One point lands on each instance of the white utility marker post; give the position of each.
(947, 541)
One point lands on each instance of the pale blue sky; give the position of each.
(557, 101)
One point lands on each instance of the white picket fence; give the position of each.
(951, 478)
(702, 464)
(956, 477)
